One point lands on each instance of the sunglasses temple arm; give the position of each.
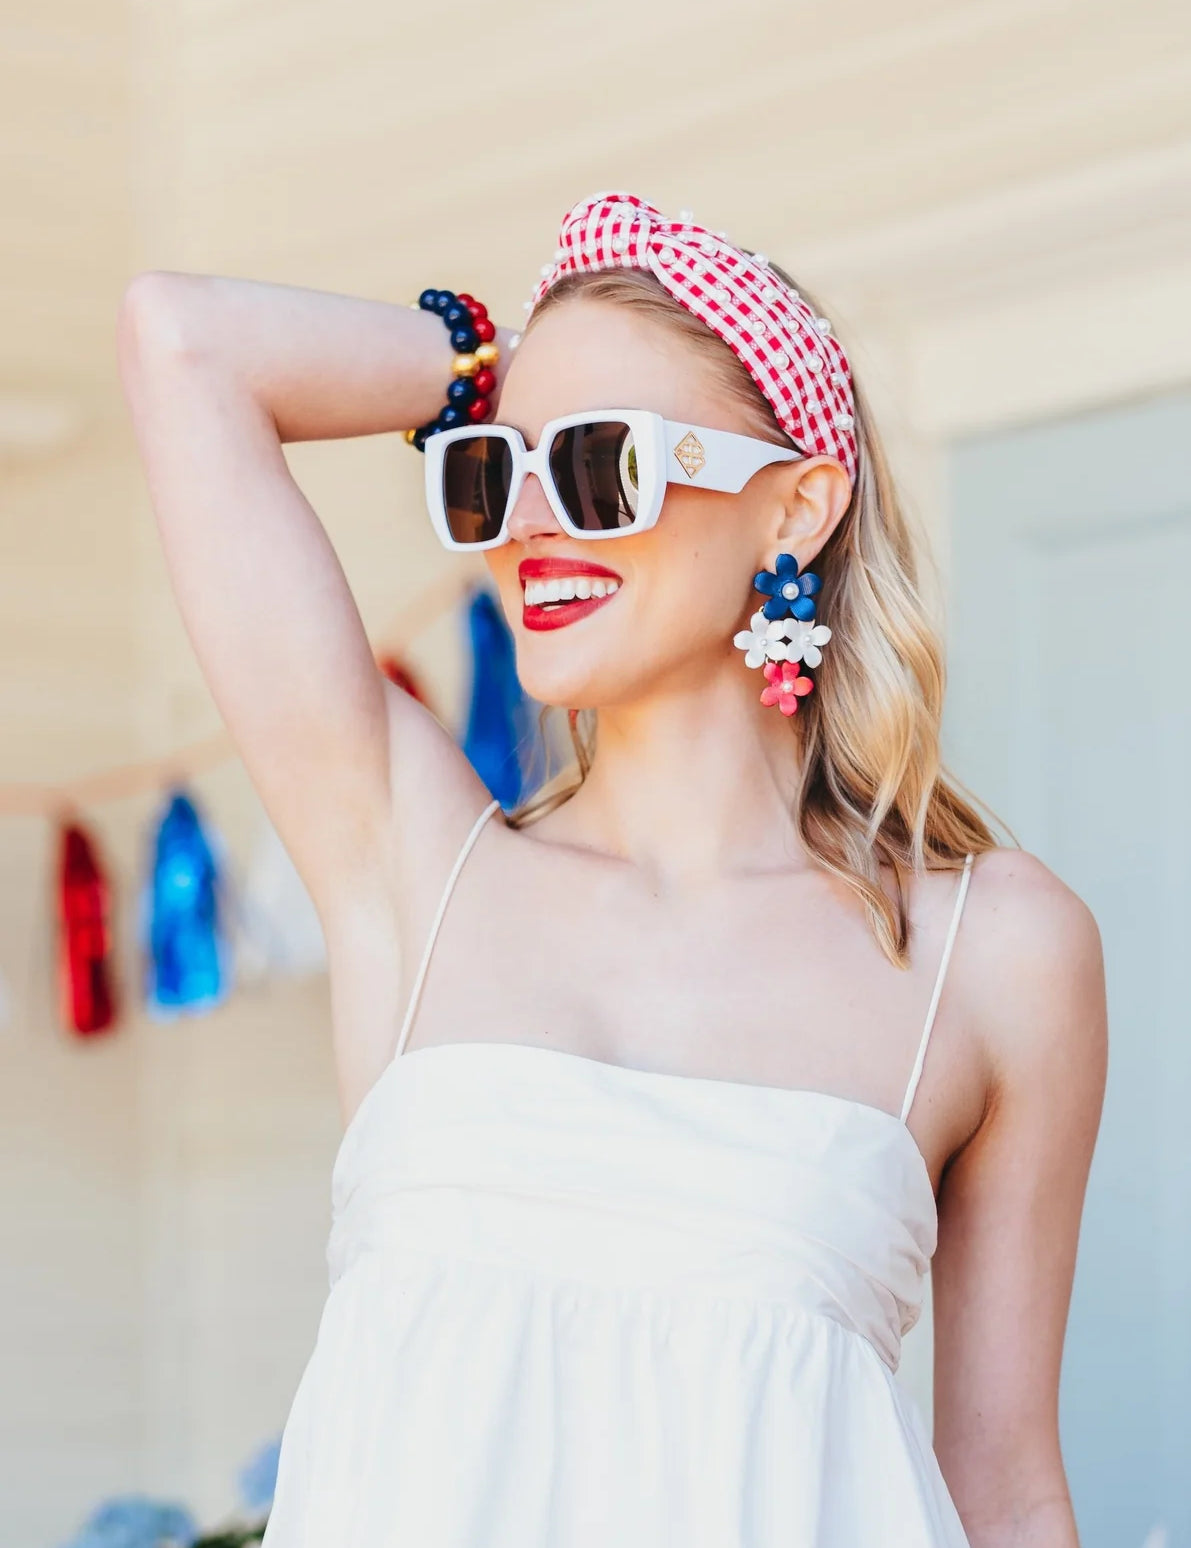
(731, 459)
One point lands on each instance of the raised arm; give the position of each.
(1011, 1202)
(218, 374)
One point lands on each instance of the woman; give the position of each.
(646, 1164)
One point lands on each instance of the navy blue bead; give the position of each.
(428, 300)
(419, 439)
(455, 314)
(451, 416)
(461, 391)
(442, 300)
(464, 339)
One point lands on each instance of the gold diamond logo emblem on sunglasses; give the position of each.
(690, 453)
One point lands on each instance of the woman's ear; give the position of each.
(810, 499)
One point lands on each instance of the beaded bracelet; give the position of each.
(472, 334)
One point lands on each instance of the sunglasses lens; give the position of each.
(595, 470)
(477, 474)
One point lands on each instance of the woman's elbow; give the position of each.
(158, 323)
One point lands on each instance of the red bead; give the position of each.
(485, 380)
(476, 308)
(464, 297)
(484, 329)
(477, 409)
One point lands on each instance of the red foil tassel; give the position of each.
(84, 936)
(397, 672)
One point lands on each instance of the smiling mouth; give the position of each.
(556, 595)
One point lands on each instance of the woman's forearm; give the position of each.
(323, 366)
(1037, 1523)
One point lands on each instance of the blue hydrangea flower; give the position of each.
(258, 1478)
(788, 594)
(135, 1521)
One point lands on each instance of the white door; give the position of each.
(1069, 711)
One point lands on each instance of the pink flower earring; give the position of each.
(783, 633)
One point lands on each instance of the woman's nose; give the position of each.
(531, 516)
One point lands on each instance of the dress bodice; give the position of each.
(598, 1172)
(592, 1172)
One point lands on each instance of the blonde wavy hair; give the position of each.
(873, 790)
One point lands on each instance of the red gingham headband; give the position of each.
(791, 354)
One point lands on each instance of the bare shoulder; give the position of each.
(1026, 917)
(1033, 969)
(1017, 895)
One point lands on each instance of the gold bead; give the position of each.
(487, 354)
(409, 435)
(466, 365)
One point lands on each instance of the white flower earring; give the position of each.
(783, 633)
(763, 640)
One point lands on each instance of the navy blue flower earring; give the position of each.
(783, 632)
(790, 595)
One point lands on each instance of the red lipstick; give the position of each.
(545, 568)
(540, 615)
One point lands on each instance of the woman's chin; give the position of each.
(570, 679)
(563, 690)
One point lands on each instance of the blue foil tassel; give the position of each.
(501, 738)
(187, 955)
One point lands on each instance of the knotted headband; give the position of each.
(791, 354)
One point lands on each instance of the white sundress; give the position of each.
(577, 1304)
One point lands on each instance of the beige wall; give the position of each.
(994, 200)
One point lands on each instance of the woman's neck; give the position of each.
(692, 784)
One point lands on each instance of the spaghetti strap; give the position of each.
(416, 991)
(916, 1072)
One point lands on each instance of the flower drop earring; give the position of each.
(783, 633)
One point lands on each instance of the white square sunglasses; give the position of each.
(604, 472)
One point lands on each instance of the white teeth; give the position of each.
(566, 589)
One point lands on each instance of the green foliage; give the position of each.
(237, 1537)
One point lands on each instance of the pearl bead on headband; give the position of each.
(791, 354)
